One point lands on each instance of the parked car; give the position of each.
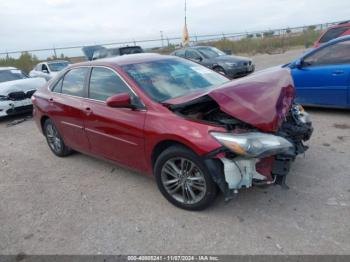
(341, 29)
(229, 65)
(187, 125)
(48, 69)
(322, 75)
(16, 90)
(110, 52)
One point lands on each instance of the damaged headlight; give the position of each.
(253, 144)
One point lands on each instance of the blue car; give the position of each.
(322, 75)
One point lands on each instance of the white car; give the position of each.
(48, 69)
(16, 90)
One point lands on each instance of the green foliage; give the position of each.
(268, 43)
(61, 57)
(25, 62)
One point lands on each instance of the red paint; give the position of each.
(264, 167)
(261, 99)
(347, 32)
(129, 137)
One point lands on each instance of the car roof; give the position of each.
(195, 47)
(342, 24)
(56, 61)
(331, 42)
(126, 59)
(8, 68)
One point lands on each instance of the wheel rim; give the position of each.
(53, 138)
(183, 180)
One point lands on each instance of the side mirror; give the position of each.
(122, 100)
(298, 63)
(45, 71)
(228, 51)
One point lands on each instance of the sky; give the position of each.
(46, 23)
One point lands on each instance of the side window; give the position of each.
(180, 53)
(191, 54)
(105, 83)
(58, 86)
(73, 82)
(333, 33)
(338, 53)
(44, 67)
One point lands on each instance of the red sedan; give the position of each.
(341, 29)
(195, 130)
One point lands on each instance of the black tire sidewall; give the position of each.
(179, 151)
(64, 149)
(220, 69)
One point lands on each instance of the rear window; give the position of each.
(130, 50)
(333, 33)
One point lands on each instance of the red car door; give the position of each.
(66, 107)
(114, 133)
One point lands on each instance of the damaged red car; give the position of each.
(191, 128)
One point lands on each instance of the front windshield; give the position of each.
(10, 75)
(210, 52)
(58, 66)
(171, 78)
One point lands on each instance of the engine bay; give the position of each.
(207, 110)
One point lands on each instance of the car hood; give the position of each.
(262, 99)
(21, 85)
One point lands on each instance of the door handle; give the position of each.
(338, 72)
(51, 99)
(88, 110)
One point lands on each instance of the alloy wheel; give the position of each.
(53, 138)
(183, 180)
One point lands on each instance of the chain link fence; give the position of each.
(266, 41)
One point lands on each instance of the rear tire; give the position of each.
(183, 179)
(55, 140)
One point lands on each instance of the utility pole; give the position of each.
(54, 52)
(185, 35)
(162, 37)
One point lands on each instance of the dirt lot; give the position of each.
(82, 205)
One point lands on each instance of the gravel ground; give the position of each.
(82, 205)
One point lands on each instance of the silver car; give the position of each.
(48, 69)
(16, 89)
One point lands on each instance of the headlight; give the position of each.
(231, 64)
(253, 144)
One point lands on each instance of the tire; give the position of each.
(55, 140)
(184, 180)
(220, 70)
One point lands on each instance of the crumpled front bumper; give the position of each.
(232, 172)
(10, 107)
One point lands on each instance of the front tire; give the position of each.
(220, 70)
(183, 179)
(54, 139)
